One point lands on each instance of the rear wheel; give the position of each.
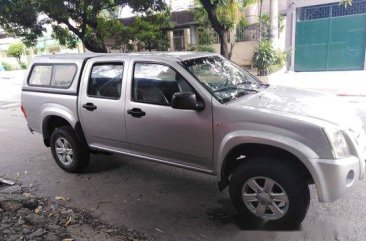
(266, 189)
(67, 150)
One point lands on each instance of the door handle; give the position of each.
(89, 106)
(136, 112)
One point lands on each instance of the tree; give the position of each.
(16, 50)
(69, 19)
(146, 32)
(150, 31)
(223, 16)
(122, 35)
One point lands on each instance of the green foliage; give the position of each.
(246, 3)
(222, 16)
(150, 31)
(205, 48)
(266, 30)
(16, 50)
(64, 36)
(201, 48)
(114, 29)
(80, 17)
(346, 3)
(229, 14)
(7, 66)
(20, 18)
(23, 65)
(205, 35)
(266, 58)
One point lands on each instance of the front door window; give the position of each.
(156, 83)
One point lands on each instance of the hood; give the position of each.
(300, 102)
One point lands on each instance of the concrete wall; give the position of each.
(252, 11)
(242, 52)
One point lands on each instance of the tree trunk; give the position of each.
(216, 25)
(273, 23)
(223, 44)
(149, 46)
(231, 50)
(96, 48)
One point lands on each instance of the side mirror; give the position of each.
(186, 101)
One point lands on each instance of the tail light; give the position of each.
(23, 111)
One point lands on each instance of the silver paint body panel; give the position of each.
(287, 118)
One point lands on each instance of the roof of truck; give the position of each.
(178, 56)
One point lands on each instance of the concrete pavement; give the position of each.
(10, 87)
(164, 202)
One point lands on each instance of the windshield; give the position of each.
(225, 80)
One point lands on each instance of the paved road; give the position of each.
(164, 202)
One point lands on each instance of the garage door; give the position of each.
(331, 37)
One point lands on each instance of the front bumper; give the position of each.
(337, 176)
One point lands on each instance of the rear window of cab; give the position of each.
(52, 75)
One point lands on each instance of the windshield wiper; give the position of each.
(240, 93)
(264, 84)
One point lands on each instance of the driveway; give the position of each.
(162, 201)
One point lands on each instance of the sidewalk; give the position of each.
(10, 86)
(15, 74)
(344, 83)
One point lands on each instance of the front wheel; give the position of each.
(67, 150)
(268, 190)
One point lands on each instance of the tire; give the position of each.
(79, 154)
(294, 204)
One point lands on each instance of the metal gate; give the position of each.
(331, 37)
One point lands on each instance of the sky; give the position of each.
(176, 5)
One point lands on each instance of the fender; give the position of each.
(53, 109)
(238, 137)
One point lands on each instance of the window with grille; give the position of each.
(247, 33)
(332, 10)
(178, 39)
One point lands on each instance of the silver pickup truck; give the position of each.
(201, 112)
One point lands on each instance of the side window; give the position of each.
(57, 76)
(156, 83)
(106, 81)
(63, 75)
(41, 75)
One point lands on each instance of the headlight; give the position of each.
(338, 143)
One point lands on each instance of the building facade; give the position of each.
(242, 40)
(45, 45)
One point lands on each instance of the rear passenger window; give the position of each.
(106, 81)
(57, 76)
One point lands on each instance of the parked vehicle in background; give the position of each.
(201, 112)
